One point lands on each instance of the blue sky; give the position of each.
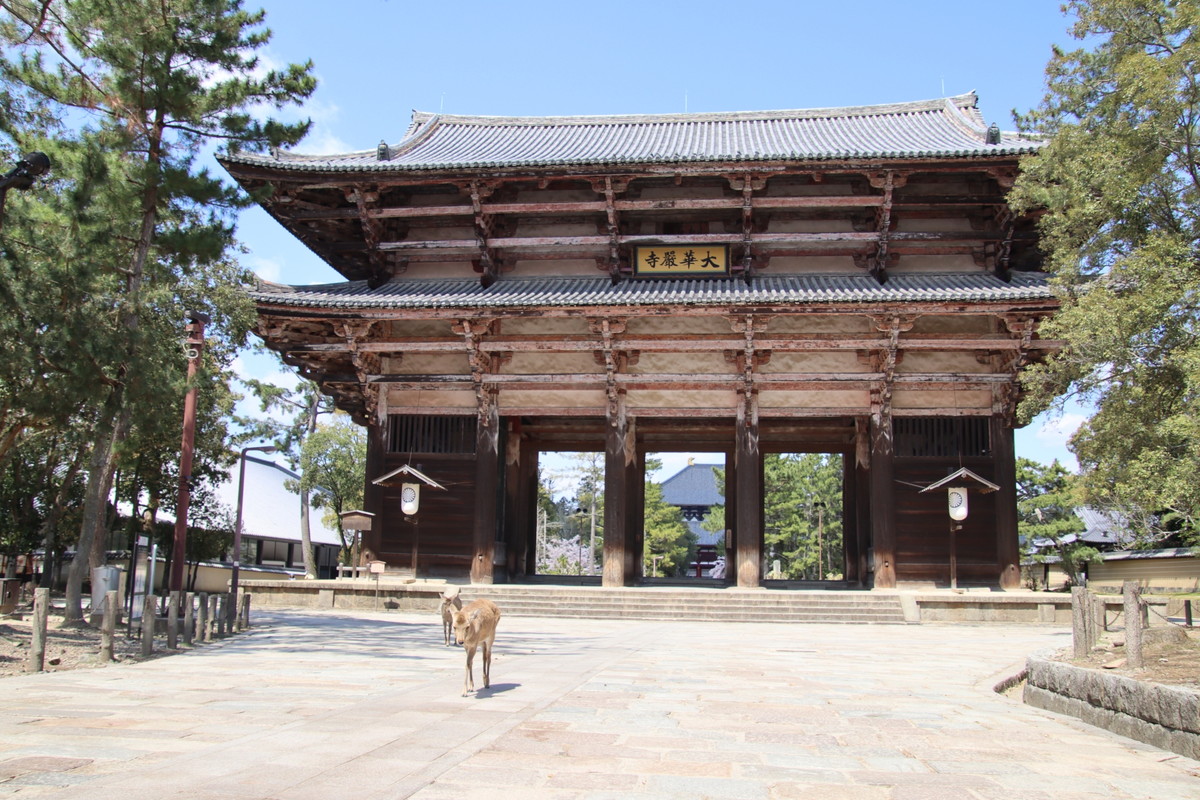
(377, 60)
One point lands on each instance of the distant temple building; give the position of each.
(694, 491)
(846, 280)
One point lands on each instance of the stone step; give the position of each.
(703, 605)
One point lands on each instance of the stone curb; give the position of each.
(1166, 717)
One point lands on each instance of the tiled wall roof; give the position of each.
(599, 292)
(942, 128)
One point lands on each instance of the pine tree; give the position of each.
(158, 81)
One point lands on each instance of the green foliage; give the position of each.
(803, 514)
(670, 545)
(1047, 497)
(1120, 183)
(101, 259)
(35, 481)
(333, 466)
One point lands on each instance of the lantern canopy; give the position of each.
(357, 520)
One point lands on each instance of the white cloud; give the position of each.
(1058, 430)
(265, 268)
(322, 139)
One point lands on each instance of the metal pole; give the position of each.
(237, 526)
(953, 556)
(195, 345)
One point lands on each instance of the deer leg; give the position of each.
(469, 680)
(487, 665)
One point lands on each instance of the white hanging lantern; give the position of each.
(957, 500)
(410, 498)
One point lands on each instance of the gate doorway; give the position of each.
(803, 515)
(570, 514)
(683, 518)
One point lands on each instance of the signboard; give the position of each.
(681, 259)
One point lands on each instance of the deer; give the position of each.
(475, 625)
(451, 603)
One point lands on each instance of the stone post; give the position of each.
(37, 648)
(148, 612)
(1080, 619)
(202, 624)
(173, 620)
(189, 618)
(1133, 625)
(108, 627)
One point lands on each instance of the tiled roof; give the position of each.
(694, 485)
(599, 292)
(943, 128)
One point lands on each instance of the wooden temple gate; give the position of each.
(840, 280)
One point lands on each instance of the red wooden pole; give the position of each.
(195, 346)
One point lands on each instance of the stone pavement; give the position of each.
(323, 706)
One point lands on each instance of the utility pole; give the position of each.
(193, 347)
(820, 504)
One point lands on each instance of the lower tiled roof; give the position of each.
(565, 292)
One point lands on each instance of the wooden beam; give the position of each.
(677, 344)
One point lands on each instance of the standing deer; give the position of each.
(474, 625)
(451, 602)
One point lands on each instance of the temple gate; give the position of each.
(842, 280)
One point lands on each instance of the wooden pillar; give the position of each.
(748, 527)
(516, 507)
(636, 515)
(377, 438)
(1008, 551)
(883, 499)
(619, 454)
(529, 496)
(731, 511)
(487, 475)
(849, 521)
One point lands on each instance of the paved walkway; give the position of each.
(324, 706)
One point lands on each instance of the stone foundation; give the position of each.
(1167, 717)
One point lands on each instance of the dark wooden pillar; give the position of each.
(377, 437)
(487, 475)
(748, 527)
(1008, 555)
(850, 541)
(883, 499)
(636, 518)
(862, 482)
(520, 487)
(619, 455)
(529, 472)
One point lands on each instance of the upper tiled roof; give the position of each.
(694, 485)
(943, 128)
(599, 292)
